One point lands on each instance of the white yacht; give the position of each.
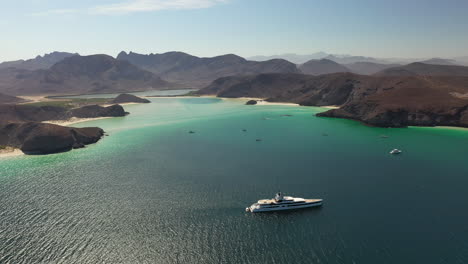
(395, 151)
(281, 202)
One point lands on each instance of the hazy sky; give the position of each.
(396, 28)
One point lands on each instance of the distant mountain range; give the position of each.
(294, 58)
(419, 68)
(192, 71)
(350, 59)
(68, 73)
(40, 62)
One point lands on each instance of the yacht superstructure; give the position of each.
(281, 202)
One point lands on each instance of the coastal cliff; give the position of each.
(386, 101)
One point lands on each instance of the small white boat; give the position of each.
(395, 151)
(280, 203)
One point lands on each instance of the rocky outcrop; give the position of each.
(42, 138)
(129, 98)
(401, 116)
(251, 102)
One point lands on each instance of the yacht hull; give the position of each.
(284, 207)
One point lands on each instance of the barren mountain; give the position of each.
(193, 71)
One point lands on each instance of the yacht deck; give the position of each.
(273, 201)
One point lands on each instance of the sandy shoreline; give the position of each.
(330, 106)
(74, 120)
(10, 152)
(260, 101)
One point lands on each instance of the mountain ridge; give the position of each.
(186, 69)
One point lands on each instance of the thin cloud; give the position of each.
(133, 6)
(153, 5)
(55, 12)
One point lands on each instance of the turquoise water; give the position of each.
(143, 93)
(153, 193)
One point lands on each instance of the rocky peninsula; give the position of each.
(378, 100)
(21, 127)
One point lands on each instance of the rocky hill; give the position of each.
(80, 74)
(194, 71)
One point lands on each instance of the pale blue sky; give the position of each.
(396, 28)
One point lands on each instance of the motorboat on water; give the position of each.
(281, 202)
(395, 151)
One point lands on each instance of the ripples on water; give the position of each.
(152, 193)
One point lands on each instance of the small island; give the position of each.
(129, 98)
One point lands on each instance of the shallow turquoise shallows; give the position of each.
(151, 192)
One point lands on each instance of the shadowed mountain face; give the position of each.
(80, 74)
(368, 68)
(419, 68)
(40, 62)
(331, 89)
(388, 101)
(323, 66)
(193, 71)
(8, 99)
